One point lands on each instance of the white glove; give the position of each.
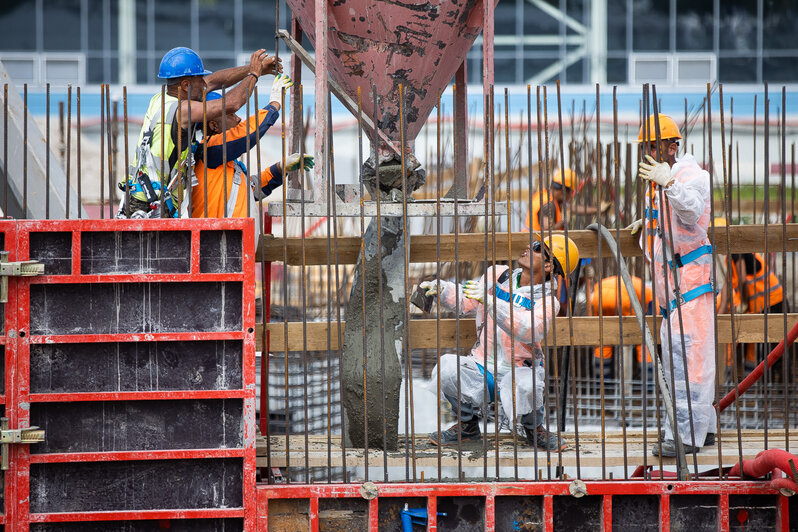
(659, 173)
(636, 226)
(281, 81)
(474, 290)
(430, 287)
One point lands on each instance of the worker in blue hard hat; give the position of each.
(169, 126)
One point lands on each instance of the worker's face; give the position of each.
(667, 151)
(535, 259)
(196, 84)
(558, 194)
(230, 120)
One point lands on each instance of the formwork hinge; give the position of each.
(25, 268)
(9, 436)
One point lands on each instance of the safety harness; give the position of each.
(504, 295)
(241, 169)
(679, 261)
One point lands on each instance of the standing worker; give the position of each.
(223, 167)
(682, 227)
(186, 79)
(547, 205)
(518, 342)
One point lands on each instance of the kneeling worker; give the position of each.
(534, 284)
(225, 176)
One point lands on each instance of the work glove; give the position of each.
(281, 81)
(292, 162)
(430, 287)
(474, 290)
(659, 173)
(636, 226)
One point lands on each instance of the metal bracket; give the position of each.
(9, 436)
(26, 268)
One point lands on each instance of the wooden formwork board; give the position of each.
(424, 333)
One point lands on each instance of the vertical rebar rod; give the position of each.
(127, 161)
(330, 197)
(68, 162)
(109, 153)
(205, 157)
(102, 151)
(78, 167)
(5, 148)
(569, 314)
(531, 237)
(225, 193)
(492, 278)
(47, 156)
(766, 265)
(363, 282)
(600, 296)
(753, 147)
(380, 296)
(486, 154)
(719, 439)
(439, 190)
(163, 149)
(303, 293)
(621, 372)
(786, 363)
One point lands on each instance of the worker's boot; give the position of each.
(669, 449)
(467, 430)
(544, 439)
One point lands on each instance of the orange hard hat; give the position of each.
(667, 129)
(566, 178)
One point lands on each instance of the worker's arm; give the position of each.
(583, 209)
(230, 76)
(451, 295)
(545, 224)
(270, 179)
(234, 99)
(689, 197)
(236, 137)
(525, 327)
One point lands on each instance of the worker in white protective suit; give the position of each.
(518, 318)
(688, 294)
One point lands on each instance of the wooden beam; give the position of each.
(471, 246)
(749, 328)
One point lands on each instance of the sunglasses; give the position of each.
(538, 247)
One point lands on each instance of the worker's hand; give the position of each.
(605, 206)
(292, 162)
(636, 226)
(271, 64)
(430, 288)
(659, 173)
(281, 81)
(255, 61)
(474, 290)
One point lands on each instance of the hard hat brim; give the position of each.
(204, 73)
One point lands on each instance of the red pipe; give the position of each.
(770, 461)
(758, 371)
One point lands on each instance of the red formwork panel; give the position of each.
(137, 429)
(606, 495)
(9, 346)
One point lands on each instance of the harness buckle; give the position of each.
(679, 298)
(677, 260)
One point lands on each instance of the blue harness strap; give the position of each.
(687, 297)
(687, 258)
(519, 300)
(651, 214)
(491, 381)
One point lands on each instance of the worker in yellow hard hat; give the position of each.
(520, 307)
(682, 248)
(546, 211)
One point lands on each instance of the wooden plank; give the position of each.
(471, 246)
(749, 328)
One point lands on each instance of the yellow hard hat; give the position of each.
(720, 221)
(558, 244)
(667, 128)
(565, 178)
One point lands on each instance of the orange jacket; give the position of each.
(539, 200)
(759, 284)
(218, 173)
(609, 296)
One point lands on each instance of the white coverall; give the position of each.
(528, 330)
(689, 198)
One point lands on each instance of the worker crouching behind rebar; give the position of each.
(513, 311)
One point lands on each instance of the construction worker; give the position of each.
(682, 227)
(546, 211)
(223, 167)
(529, 291)
(186, 80)
(610, 305)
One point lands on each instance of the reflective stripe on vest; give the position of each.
(687, 258)
(490, 379)
(686, 298)
(240, 169)
(519, 300)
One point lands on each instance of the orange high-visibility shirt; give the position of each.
(540, 200)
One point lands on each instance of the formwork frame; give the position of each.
(18, 398)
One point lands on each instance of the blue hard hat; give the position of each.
(179, 62)
(213, 96)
